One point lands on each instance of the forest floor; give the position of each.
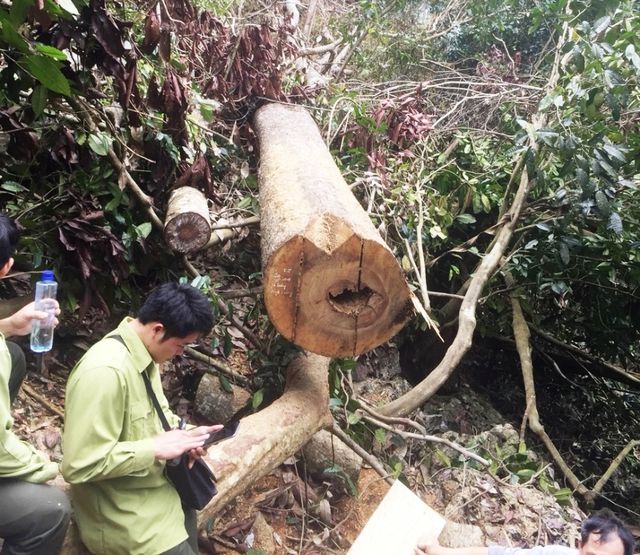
(275, 517)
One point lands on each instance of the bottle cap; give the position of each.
(47, 275)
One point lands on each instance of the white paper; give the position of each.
(395, 527)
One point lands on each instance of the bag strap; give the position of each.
(147, 384)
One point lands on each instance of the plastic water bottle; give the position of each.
(42, 330)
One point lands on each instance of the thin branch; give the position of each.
(43, 401)
(240, 223)
(425, 437)
(620, 372)
(221, 367)
(371, 460)
(615, 463)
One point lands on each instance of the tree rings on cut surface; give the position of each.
(187, 226)
(331, 284)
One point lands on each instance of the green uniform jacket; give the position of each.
(18, 459)
(122, 500)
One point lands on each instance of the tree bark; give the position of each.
(187, 227)
(331, 284)
(267, 438)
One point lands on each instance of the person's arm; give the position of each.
(19, 323)
(94, 418)
(430, 547)
(19, 459)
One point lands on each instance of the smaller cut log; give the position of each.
(187, 227)
(325, 451)
(215, 403)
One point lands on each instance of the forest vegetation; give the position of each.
(493, 145)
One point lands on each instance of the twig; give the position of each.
(221, 367)
(240, 293)
(615, 463)
(371, 460)
(433, 439)
(224, 309)
(44, 402)
(240, 223)
(620, 372)
(390, 419)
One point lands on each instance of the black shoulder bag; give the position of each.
(196, 486)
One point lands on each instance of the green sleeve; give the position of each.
(94, 417)
(19, 459)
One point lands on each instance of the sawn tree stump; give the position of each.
(331, 284)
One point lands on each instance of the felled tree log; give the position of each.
(267, 438)
(331, 284)
(187, 227)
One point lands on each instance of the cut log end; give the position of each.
(336, 304)
(187, 227)
(188, 233)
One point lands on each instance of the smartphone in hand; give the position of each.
(228, 431)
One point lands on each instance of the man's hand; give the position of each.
(172, 444)
(19, 323)
(428, 545)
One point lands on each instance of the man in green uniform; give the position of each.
(114, 447)
(33, 516)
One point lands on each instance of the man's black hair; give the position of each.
(180, 308)
(9, 235)
(605, 523)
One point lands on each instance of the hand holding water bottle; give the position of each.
(20, 323)
(42, 328)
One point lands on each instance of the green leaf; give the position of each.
(525, 474)
(144, 229)
(603, 203)
(68, 6)
(632, 56)
(100, 143)
(582, 177)
(615, 152)
(224, 384)
(19, 11)
(380, 435)
(601, 25)
(47, 72)
(227, 345)
(257, 398)
(39, 100)
(562, 496)
(564, 253)
(13, 187)
(466, 219)
(615, 223)
(256, 551)
(50, 51)
(12, 37)
(486, 203)
(443, 458)
(353, 418)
